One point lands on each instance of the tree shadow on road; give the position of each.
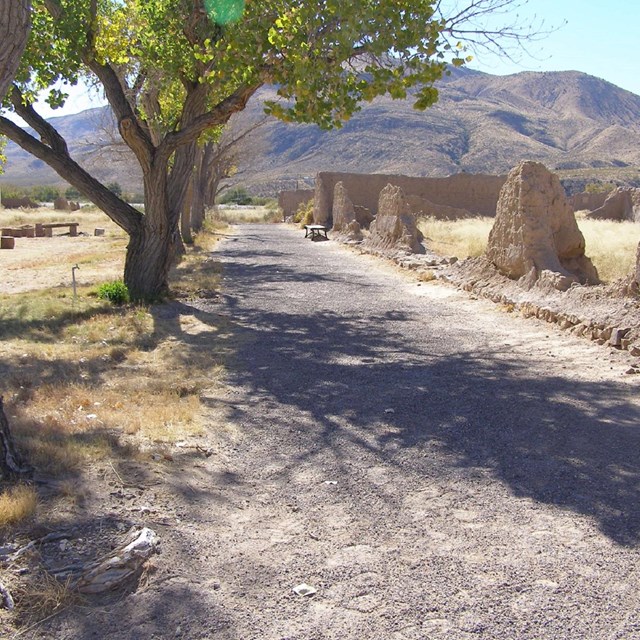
(352, 384)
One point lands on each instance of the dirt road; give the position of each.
(434, 467)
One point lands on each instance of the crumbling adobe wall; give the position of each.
(394, 229)
(585, 201)
(535, 237)
(476, 193)
(621, 204)
(345, 225)
(289, 201)
(17, 203)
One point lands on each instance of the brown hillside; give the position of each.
(481, 124)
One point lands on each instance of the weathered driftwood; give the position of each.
(118, 567)
(12, 465)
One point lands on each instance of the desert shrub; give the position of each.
(236, 196)
(45, 193)
(72, 193)
(115, 292)
(599, 187)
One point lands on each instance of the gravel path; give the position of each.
(433, 466)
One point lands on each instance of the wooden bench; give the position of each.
(316, 231)
(50, 226)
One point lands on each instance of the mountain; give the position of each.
(481, 124)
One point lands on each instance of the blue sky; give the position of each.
(599, 38)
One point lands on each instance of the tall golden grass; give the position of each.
(610, 245)
(16, 504)
(461, 238)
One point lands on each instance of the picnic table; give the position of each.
(315, 231)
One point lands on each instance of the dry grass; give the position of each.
(235, 214)
(41, 596)
(610, 245)
(198, 274)
(461, 238)
(16, 504)
(85, 381)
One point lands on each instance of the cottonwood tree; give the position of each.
(325, 58)
(221, 158)
(14, 31)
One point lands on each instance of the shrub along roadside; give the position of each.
(115, 292)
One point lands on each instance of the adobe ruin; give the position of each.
(621, 204)
(345, 224)
(394, 228)
(289, 201)
(535, 237)
(462, 194)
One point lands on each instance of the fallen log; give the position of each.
(117, 568)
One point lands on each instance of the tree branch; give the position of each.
(46, 131)
(122, 213)
(218, 115)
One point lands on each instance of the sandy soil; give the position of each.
(434, 467)
(38, 263)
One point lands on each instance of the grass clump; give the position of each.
(115, 292)
(17, 504)
(304, 214)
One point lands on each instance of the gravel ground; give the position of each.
(433, 466)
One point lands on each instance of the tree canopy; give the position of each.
(173, 69)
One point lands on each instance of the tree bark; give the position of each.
(186, 223)
(12, 466)
(197, 195)
(154, 244)
(14, 32)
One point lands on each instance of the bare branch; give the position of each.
(491, 26)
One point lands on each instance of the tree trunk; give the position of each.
(12, 466)
(14, 32)
(197, 201)
(154, 244)
(185, 216)
(150, 254)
